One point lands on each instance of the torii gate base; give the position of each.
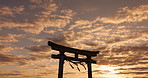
(62, 57)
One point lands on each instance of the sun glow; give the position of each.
(107, 68)
(107, 71)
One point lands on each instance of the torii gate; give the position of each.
(62, 57)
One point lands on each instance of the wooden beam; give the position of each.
(76, 55)
(89, 67)
(58, 47)
(61, 67)
(73, 59)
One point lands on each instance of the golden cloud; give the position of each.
(136, 14)
(10, 11)
(36, 40)
(4, 49)
(10, 37)
(40, 20)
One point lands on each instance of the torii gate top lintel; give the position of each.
(61, 48)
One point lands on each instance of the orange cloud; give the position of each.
(36, 40)
(136, 14)
(50, 31)
(10, 37)
(45, 4)
(5, 10)
(4, 49)
(40, 20)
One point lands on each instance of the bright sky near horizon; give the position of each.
(116, 28)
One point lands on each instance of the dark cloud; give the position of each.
(140, 68)
(69, 73)
(4, 49)
(120, 49)
(97, 71)
(21, 60)
(5, 59)
(90, 44)
(9, 74)
(39, 48)
(134, 73)
(31, 59)
(125, 55)
(60, 39)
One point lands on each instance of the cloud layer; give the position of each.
(119, 33)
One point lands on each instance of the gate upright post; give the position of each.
(89, 67)
(61, 63)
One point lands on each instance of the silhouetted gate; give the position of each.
(75, 60)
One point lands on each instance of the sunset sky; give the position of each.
(116, 28)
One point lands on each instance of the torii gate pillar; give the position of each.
(89, 68)
(61, 63)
